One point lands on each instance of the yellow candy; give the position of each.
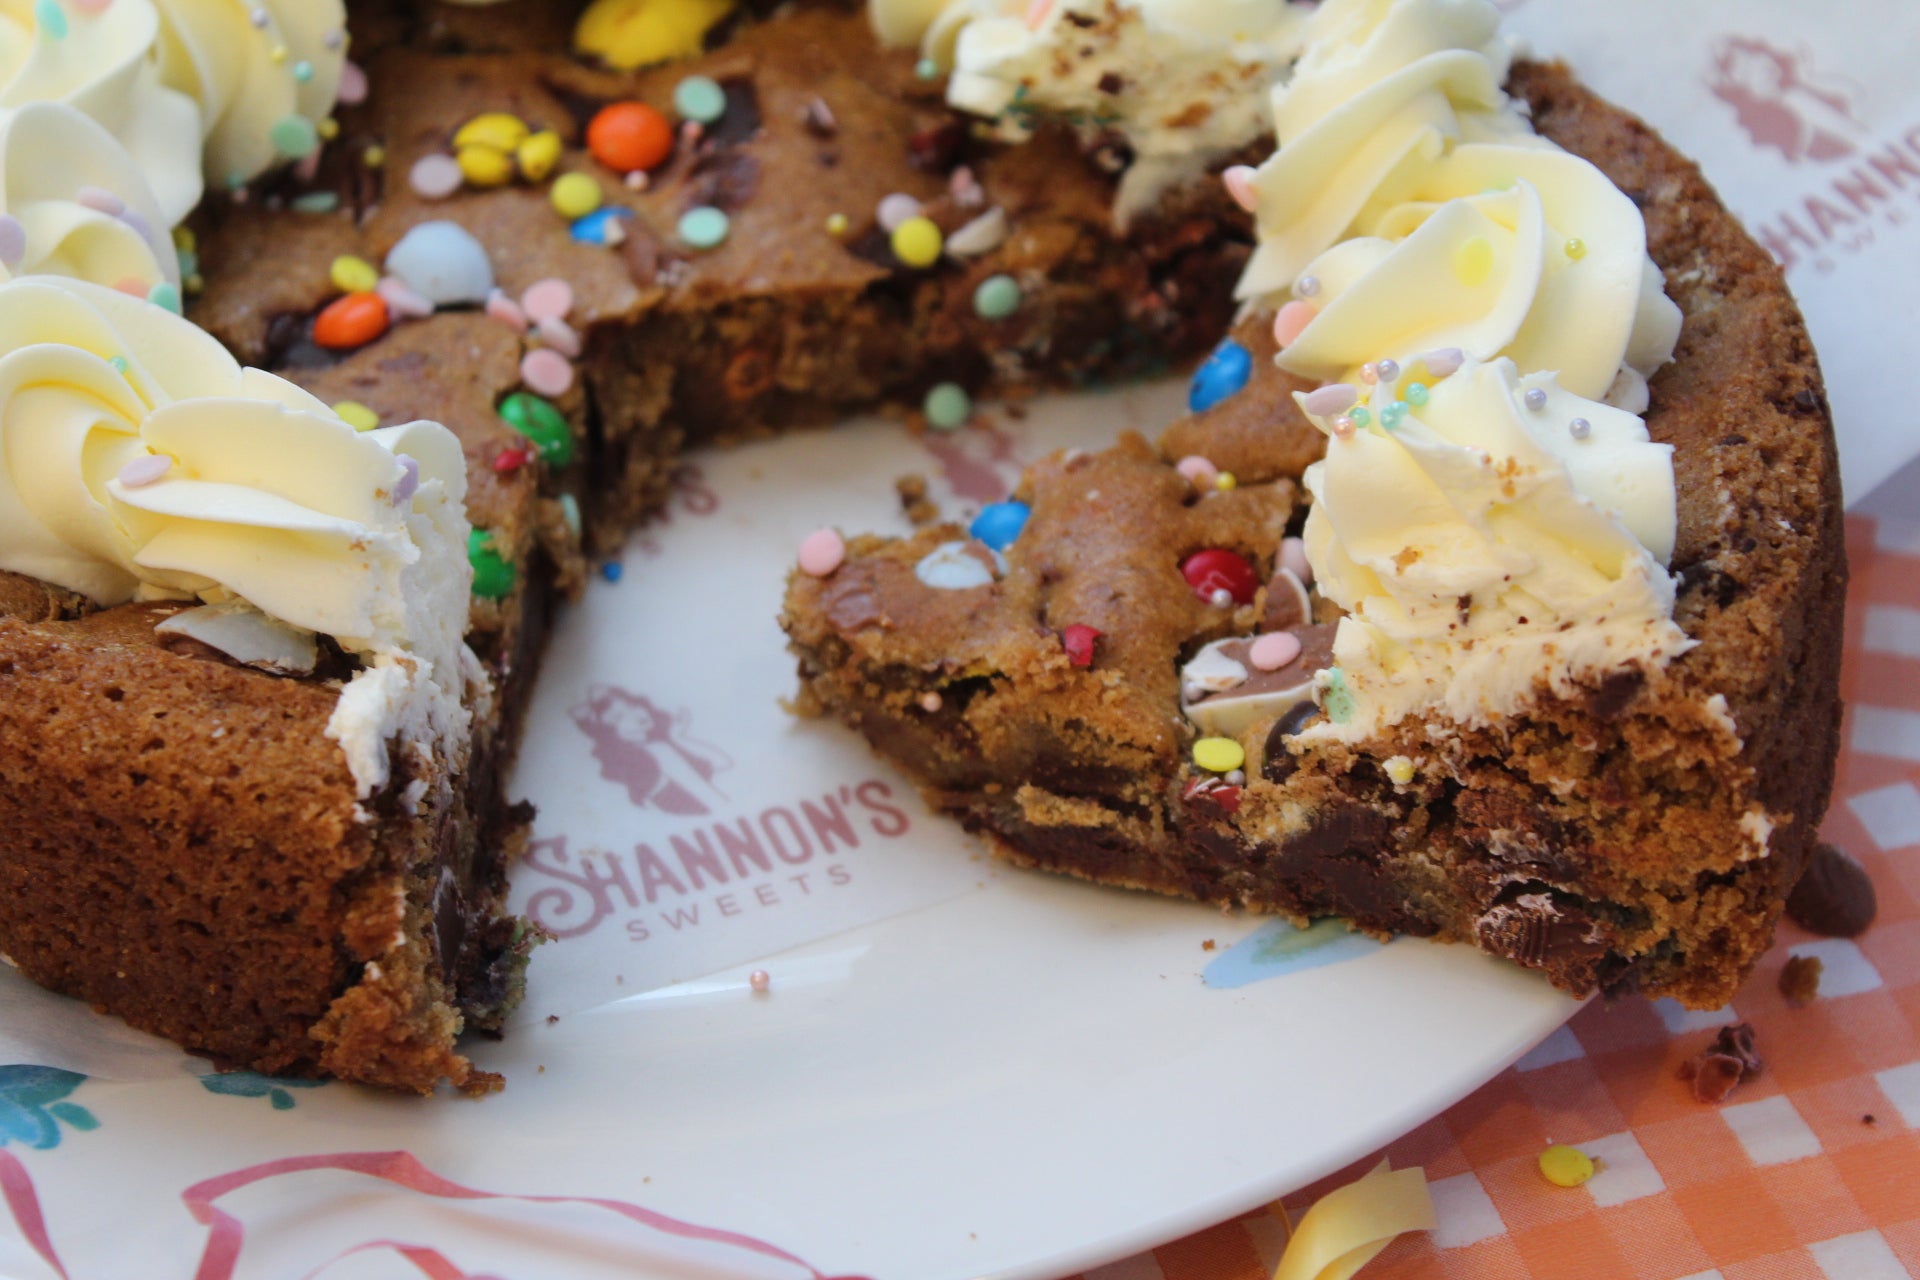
(328, 129)
(575, 195)
(836, 224)
(374, 157)
(1566, 1166)
(496, 129)
(1400, 770)
(483, 166)
(1224, 481)
(357, 415)
(185, 241)
(1218, 755)
(538, 154)
(917, 242)
(353, 275)
(636, 33)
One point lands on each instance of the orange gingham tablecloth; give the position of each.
(1788, 1178)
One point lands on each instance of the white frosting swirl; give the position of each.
(138, 460)
(1417, 199)
(99, 62)
(255, 68)
(1183, 81)
(1485, 552)
(78, 203)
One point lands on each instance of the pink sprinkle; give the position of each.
(504, 309)
(637, 180)
(1239, 180)
(931, 700)
(144, 470)
(402, 301)
(760, 980)
(559, 335)
(353, 84)
(1274, 650)
(1292, 321)
(138, 288)
(548, 299)
(821, 552)
(1293, 557)
(546, 372)
(1445, 362)
(1037, 11)
(1335, 397)
(101, 200)
(435, 177)
(1201, 473)
(895, 209)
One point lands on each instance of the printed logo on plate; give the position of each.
(650, 754)
(1782, 103)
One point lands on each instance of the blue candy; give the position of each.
(1226, 372)
(1000, 523)
(592, 229)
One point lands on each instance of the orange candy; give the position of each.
(630, 136)
(352, 321)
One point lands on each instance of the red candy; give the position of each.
(352, 321)
(509, 460)
(629, 136)
(1215, 570)
(1078, 640)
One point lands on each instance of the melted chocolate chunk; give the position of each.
(1834, 897)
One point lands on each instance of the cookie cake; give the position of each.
(273, 590)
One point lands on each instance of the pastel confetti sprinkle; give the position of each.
(700, 99)
(144, 470)
(947, 406)
(1292, 320)
(705, 227)
(1274, 650)
(1219, 755)
(546, 372)
(821, 552)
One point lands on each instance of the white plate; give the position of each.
(961, 1070)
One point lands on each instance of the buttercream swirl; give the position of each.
(1420, 210)
(98, 59)
(1184, 82)
(74, 204)
(138, 460)
(265, 73)
(1503, 537)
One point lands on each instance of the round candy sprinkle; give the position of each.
(435, 177)
(997, 297)
(612, 570)
(1292, 320)
(1576, 248)
(1417, 394)
(1360, 415)
(353, 84)
(947, 406)
(1224, 373)
(1393, 414)
(629, 136)
(1535, 399)
(500, 130)
(119, 363)
(294, 136)
(1239, 183)
(836, 225)
(927, 69)
(50, 19)
(485, 167)
(637, 180)
(759, 980)
(544, 426)
(1078, 642)
(931, 701)
(1216, 569)
(547, 372)
(537, 156)
(402, 301)
(700, 98)
(1335, 397)
(1566, 1166)
(1388, 370)
(821, 552)
(1219, 755)
(559, 335)
(548, 299)
(1274, 650)
(1370, 373)
(357, 415)
(1343, 426)
(1579, 428)
(145, 470)
(1000, 523)
(575, 195)
(350, 274)
(443, 263)
(1199, 472)
(508, 312)
(1226, 481)
(493, 575)
(350, 322)
(1307, 286)
(917, 242)
(1399, 770)
(13, 241)
(705, 227)
(895, 209)
(165, 296)
(602, 226)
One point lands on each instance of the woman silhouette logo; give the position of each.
(650, 753)
(1780, 105)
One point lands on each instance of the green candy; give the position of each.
(492, 576)
(947, 406)
(997, 297)
(540, 423)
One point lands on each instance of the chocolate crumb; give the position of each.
(1800, 980)
(1207, 945)
(920, 509)
(1729, 1061)
(1834, 896)
(1868, 1118)
(552, 1018)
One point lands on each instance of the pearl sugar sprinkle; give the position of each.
(760, 980)
(1536, 399)
(1579, 428)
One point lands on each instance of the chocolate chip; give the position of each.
(1278, 764)
(1111, 82)
(1714, 1076)
(1728, 1061)
(1835, 897)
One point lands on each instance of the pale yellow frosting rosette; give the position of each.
(139, 461)
(73, 203)
(100, 63)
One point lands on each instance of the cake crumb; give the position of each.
(1726, 1063)
(920, 509)
(1868, 1119)
(552, 1018)
(1800, 980)
(1207, 945)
